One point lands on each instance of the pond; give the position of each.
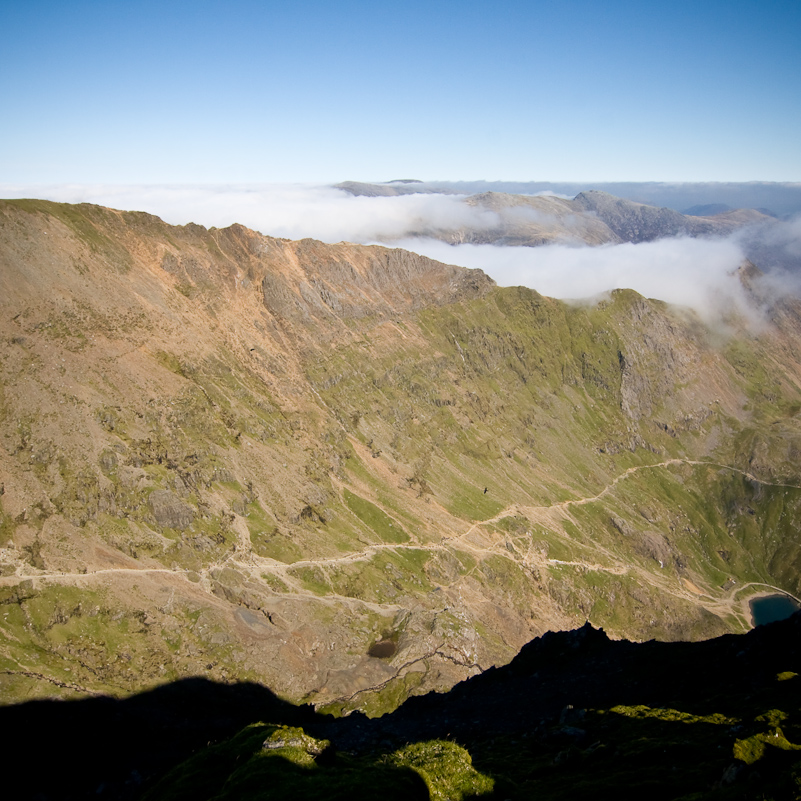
(383, 650)
(770, 608)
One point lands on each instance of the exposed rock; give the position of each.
(633, 222)
(295, 737)
(169, 510)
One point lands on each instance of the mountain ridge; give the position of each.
(770, 197)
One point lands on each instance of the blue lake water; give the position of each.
(771, 608)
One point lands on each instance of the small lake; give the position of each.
(383, 650)
(771, 608)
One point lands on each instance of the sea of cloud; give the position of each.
(293, 211)
(699, 273)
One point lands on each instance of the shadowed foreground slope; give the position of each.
(574, 715)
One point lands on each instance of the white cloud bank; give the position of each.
(687, 272)
(684, 271)
(293, 211)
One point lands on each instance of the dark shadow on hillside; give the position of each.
(542, 702)
(585, 669)
(533, 718)
(104, 748)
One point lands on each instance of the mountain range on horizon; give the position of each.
(769, 197)
(592, 217)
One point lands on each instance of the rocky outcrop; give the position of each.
(633, 222)
(169, 510)
(351, 282)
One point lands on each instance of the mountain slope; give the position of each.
(352, 473)
(638, 222)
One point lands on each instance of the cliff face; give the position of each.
(243, 457)
(639, 222)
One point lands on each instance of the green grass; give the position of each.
(274, 583)
(88, 223)
(379, 522)
(312, 579)
(266, 761)
(378, 703)
(643, 712)
(446, 768)
(7, 527)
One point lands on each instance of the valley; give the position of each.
(254, 459)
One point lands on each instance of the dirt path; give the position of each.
(75, 578)
(739, 588)
(245, 561)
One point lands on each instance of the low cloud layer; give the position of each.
(293, 211)
(684, 271)
(699, 273)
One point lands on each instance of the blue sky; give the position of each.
(211, 92)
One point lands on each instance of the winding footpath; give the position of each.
(245, 561)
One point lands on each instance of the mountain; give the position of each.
(770, 197)
(353, 474)
(531, 221)
(591, 218)
(391, 188)
(707, 210)
(639, 222)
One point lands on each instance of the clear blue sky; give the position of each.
(212, 92)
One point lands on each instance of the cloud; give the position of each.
(293, 211)
(699, 273)
(784, 237)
